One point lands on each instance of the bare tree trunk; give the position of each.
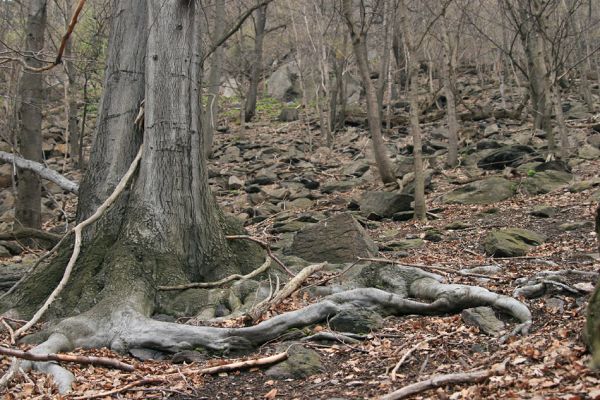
(560, 122)
(385, 60)
(214, 81)
(449, 85)
(533, 41)
(415, 126)
(28, 209)
(259, 35)
(359, 43)
(71, 104)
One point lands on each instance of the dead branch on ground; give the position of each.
(85, 360)
(265, 246)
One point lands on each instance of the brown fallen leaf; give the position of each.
(271, 394)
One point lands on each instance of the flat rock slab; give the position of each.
(486, 191)
(511, 242)
(336, 240)
(546, 181)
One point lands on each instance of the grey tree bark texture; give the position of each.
(214, 80)
(166, 229)
(358, 35)
(259, 36)
(28, 208)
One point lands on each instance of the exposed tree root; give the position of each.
(128, 327)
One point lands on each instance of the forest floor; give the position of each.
(549, 363)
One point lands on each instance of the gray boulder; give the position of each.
(288, 114)
(486, 191)
(508, 156)
(511, 242)
(356, 321)
(384, 204)
(337, 239)
(284, 83)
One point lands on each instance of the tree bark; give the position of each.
(28, 209)
(214, 81)
(449, 78)
(415, 126)
(259, 36)
(359, 44)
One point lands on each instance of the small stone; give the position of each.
(4, 252)
(573, 226)
(301, 363)
(433, 235)
(543, 211)
(235, 183)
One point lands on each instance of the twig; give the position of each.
(265, 246)
(264, 267)
(15, 365)
(409, 352)
(85, 360)
(437, 381)
(77, 247)
(10, 330)
(287, 290)
(332, 336)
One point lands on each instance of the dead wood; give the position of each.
(437, 381)
(41, 170)
(257, 312)
(235, 366)
(85, 360)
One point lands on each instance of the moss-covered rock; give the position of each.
(546, 181)
(356, 321)
(511, 242)
(301, 363)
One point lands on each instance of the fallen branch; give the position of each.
(41, 170)
(85, 360)
(287, 290)
(244, 364)
(77, 247)
(437, 381)
(207, 371)
(264, 267)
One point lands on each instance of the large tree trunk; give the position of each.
(28, 209)
(359, 43)
(259, 36)
(165, 229)
(449, 78)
